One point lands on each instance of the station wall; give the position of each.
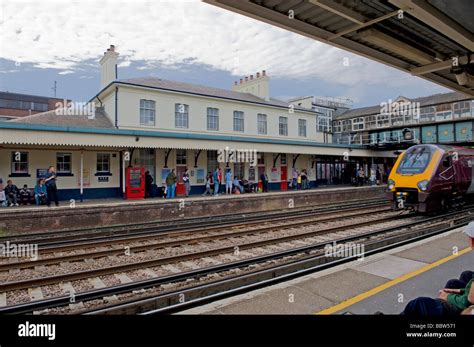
(108, 184)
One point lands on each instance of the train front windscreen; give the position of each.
(415, 161)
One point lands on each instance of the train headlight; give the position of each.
(391, 184)
(423, 185)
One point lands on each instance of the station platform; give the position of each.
(96, 213)
(383, 282)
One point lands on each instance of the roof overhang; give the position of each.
(426, 38)
(121, 139)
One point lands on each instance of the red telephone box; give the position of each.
(284, 178)
(135, 183)
(180, 189)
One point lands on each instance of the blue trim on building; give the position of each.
(125, 132)
(89, 193)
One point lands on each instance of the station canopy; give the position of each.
(432, 39)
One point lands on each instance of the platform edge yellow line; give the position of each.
(378, 289)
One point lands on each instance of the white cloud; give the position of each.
(50, 34)
(67, 72)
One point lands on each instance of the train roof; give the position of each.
(449, 148)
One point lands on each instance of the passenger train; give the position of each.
(432, 178)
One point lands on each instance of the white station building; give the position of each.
(160, 125)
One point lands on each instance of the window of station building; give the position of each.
(103, 162)
(260, 158)
(238, 121)
(19, 162)
(371, 122)
(447, 115)
(14, 104)
(427, 114)
(64, 162)
(383, 120)
(337, 126)
(302, 127)
(39, 106)
(212, 118)
(323, 123)
(180, 157)
(283, 159)
(181, 116)
(462, 109)
(347, 125)
(147, 159)
(358, 124)
(239, 170)
(212, 163)
(283, 126)
(147, 112)
(262, 124)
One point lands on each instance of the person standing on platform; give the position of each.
(209, 183)
(264, 179)
(294, 179)
(228, 182)
(171, 185)
(215, 178)
(298, 181)
(378, 176)
(304, 179)
(187, 183)
(220, 179)
(51, 187)
(148, 185)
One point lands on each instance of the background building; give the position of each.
(162, 125)
(14, 105)
(440, 118)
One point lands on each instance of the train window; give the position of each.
(414, 162)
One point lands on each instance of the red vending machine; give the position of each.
(135, 183)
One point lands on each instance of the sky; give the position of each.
(52, 40)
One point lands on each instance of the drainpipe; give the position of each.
(116, 106)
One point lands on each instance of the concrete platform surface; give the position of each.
(382, 282)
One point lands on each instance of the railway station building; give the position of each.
(162, 125)
(441, 118)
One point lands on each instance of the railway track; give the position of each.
(273, 251)
(133, 244)
(230, 244)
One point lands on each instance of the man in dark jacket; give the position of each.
(264, 179)
(148, 185)
(11, 192)
(51, 188)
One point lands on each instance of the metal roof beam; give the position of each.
(442, 65)
(390, 43)
(437, 20)
(340, 10)
(363, 25)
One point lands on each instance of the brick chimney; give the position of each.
(258, 86)
(108, 64)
